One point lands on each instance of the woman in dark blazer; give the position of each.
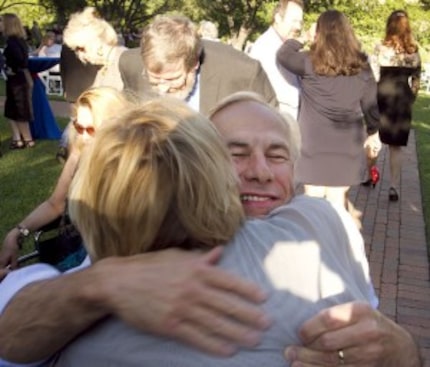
(338, 90)
(19, 85)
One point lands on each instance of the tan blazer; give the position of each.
(223, 71)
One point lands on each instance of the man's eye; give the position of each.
(278, 158)
(238, 154)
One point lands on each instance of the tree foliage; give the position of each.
(238, 20)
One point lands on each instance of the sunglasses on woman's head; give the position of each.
(80, 129)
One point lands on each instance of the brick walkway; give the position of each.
(396, 246)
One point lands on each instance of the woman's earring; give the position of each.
(100, 51)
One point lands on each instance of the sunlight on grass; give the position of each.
(27, 177)
(422, 128)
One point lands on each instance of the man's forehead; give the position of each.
(293, 11)
(249, 118)
(168, 70)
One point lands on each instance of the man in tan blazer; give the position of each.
(172, 59)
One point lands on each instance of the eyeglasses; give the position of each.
(170, 85)
(81, 129)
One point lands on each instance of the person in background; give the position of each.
(173, 60)
(91, 109)
(95, 43)
(76, 77)
(208, 30)
(36, 34)
(49, 48)
(397, 66)
(19, 84)
(338, 89)
(286, 23)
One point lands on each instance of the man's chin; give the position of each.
(258, 211)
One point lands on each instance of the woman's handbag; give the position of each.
(59, 244)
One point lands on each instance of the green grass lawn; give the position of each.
(422, 128)
(27, 177)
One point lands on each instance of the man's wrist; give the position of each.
(98, 291)
(408, 350)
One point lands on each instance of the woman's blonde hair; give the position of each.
(12, 26)
(104, 103)
(288, 124)
(158, 176)
(88, 28)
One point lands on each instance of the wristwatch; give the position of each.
(23, 233)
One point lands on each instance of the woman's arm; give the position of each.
(45, 213)
(290, 57)
(369, 104)
(416, 77)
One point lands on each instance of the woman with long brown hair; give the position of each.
(338, 89)
(397, 65)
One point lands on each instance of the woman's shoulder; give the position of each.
(388, 56)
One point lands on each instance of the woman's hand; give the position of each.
(10, 250)
(373, 145)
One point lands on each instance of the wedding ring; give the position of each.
(341, 357)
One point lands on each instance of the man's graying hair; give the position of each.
(287, 122)
(170, 39)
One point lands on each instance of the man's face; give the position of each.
(289, 25)
(256, 141)
(174, 80)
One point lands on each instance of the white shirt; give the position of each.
(285, 83)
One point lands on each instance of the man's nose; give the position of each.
(258, 169)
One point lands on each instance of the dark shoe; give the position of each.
(367, 183)
(393, 195)
(61, 155)
(16, 144)
(29, 143)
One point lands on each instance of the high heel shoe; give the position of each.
(16, 144)
(374, 177)
(393, 195)
(367, 183)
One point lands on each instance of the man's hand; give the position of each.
(365, 336)
(182, 295)
(178, 294)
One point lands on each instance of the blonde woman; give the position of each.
(162, 177)
(92, 107)
(95, 42)
(19, 84)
